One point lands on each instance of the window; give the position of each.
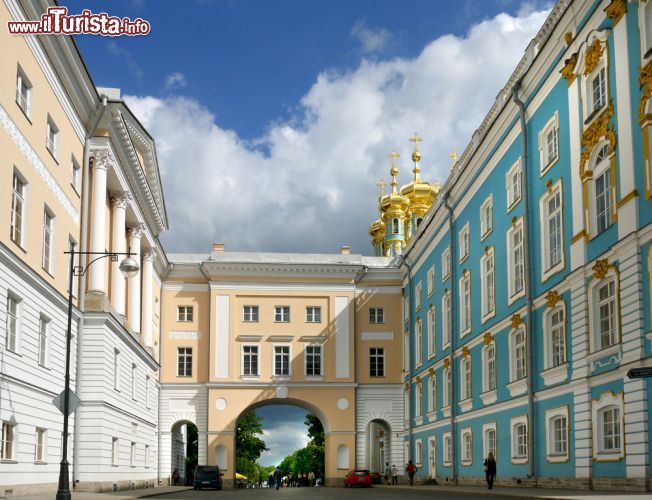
(184, 361)
(132, 455)
(464, 242)
(604, 314)
(418, 399)
(447, 387)
(557, 434)
(432, 399)
(486, 217)
(39, 445)
(418, 348)
(134, 381)
(518, 354)
(114, 451)
(376, 315)
(516, 279)
(8, 438)
(645, 16)
(146, 456)
(519, 439)
(147, 382)
(23, 93)
(396, 227)
(552, 231)
(184, 313)
(13, 322)
(52, 137)
(490, 439)
(489, 375)
(48, 240)
(377, 362)
(598, 91)
(445, 264)
(281, 314)
(406, 351)
(608, 427)
(250, 360)
(250, 314)
(417, 296)
(467, 446)
(466, 382)
(448, 449)
(430, 281)
(43, 327)
(609, 423)
(549, 144)
(281, 360)
(406, 307)
(75, 175)
(514, 185)
(603, 191)
(418, 452)
(465, 302)
(313, 361)
(313, 314)
(446, 325)
(116, 370)
(488, 284)
(432, 339)
(17, 210)
(556, 337)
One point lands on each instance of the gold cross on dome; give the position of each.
(416, 139)
(381, 184)
(394, 155)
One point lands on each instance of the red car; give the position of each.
(357, 477)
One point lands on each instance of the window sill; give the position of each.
(466, 332)
(40, 462)
(486, 234)
(314, 378)
(418, 421)
(19, 246)
(557, 459)
(8, 461)
(513, 205)
(446, 411)
(517, 387)
(52, 154)
(489, 397)
(313, 322)
(76, 190)
(609, 456)
(547, 168)
(593, 115)
(555, 375)
(466, 404)
(249, 377)
(489, 315)
(250, 321)
(281, 377)
(515, 297)
(546, 275)
(466, 463)
(519, 460)
(607, 351)
(432, 415)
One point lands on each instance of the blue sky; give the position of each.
(273, 119)
(283, 431)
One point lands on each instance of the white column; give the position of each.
(583, 433)
(101, 161)
(135, 233)
(146, 328)
(118, 244)
(578, 247)
(636, 429)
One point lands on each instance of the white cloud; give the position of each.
(282, 441)
(314, 189)
(371, 39)
(175, 81)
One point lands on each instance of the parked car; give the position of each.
(208, 476)
(358, 477)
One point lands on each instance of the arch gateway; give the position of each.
(242, 330)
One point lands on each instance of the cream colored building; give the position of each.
(323, 332)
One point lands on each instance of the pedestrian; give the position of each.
(490, 470)
(388, 473)
(394, 475)
(411, 469)
(311, 478)
(175, 476)
(277, 478)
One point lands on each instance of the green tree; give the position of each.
(315, 430)
(247, 443)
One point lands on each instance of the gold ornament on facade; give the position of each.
(568, 37)
(514, 219)
(568, 71)
(549, 185)
(516, 320)
(431, 371)
(601, 268)
(601, 127)
(407, 386)
(593, 56)
(552, 297)
(417, 379)
(645, 80)
(616, 10)
(486, 250)
(465, 352)
(447, 363)
(487, 339)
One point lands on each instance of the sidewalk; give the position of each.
(121, 495)
(542, 493)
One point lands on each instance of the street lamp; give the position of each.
(129, 268)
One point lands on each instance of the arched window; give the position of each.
(396, 227)
(602, 190)
(466, 379)
(608, 427)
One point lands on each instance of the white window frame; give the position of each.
(320, 355)
(43, 340)
(516, 374)
(512, 271)
(487, 370)
(250, 313)
(379, 354)
(281, 314)
(594, 312)
(418, 348)
(406, 307)
(607, 400)
(546, 158)
(8, 441)
(18, 209)
(418, 452)
(590, 109)
(514, 185)
(250, 354)
(445, 264)
(132, 454)
(516, 456)
(115, 450)
(418, 291)
(548, 353)
(75, 174)
(466, 378)
(464, 242)
(447, 449)
(418, 400)
(432, 394)
(185, 356)
(47, 248)
(288, 363)
(604, 167)
(486, 217)
(487, 446)
(40, 445)
(13, 312)
(466, 446)
(147, 392)
(430, 281)
(446, 388)
(432, 331)
(185, 314)
(116, 370)
(548, 267)
(488, 284)
(313, 314)
(147, 456)
(396, 226)
(134, 381)
(465, 303)
(645, 30)
(446, 317)
(24, 93)
(552, 414)
(376, 315)
(52, 137)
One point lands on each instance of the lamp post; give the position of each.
(129, 268)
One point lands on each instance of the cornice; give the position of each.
(281, 269)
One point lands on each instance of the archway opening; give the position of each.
(379, 456)
(287, 435)
(185, 451)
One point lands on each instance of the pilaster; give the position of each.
(135, 234)
(102, 159)
(146, 328)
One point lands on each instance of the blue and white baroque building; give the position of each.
(527, 292)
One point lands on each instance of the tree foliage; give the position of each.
(310, 458)
(315, 430)
(247, 443)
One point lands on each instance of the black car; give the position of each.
(208, 476)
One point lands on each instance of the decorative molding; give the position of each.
(645, 80)
(593, 56)
(516, 320)
(447, 363)
(102, 159)
(136, 231)
(552, 297)
(177, 335)
(120, 200)
(616, 10)
(487, 338)
(314, 339)
(248, 338)
(149, 255)
(568, 71)
(600, 268)
(377, 335)
(33, 159)
(601, 127)
(465, 352)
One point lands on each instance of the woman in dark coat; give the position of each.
(490, 470)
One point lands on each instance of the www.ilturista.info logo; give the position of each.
(56, 21)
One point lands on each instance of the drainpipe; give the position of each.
(451, 228)
(528, 281)
(409, 412)
(99, 113)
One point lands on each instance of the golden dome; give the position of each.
(394, 204)
(377, 231)
(420, 194)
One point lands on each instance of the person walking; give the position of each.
(311, 478)
(394, 475)
(411, 469)
(388, 473)
(490, 470)
(175, 476)
(277, 478)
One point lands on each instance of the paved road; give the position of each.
(319, 494)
